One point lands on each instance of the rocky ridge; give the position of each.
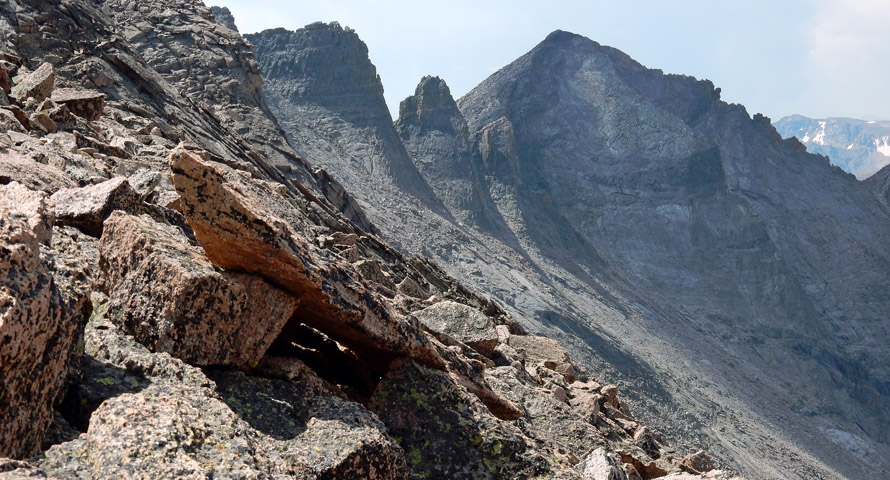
(185, 297)
(666, 237)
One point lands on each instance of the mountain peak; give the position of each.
(564, 36)
(431, 107)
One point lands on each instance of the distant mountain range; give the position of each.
(861, 147)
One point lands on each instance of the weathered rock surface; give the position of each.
(464, 324)
(37, 84)
(83, 103)
(41, 320)
(155, 416)
(224, 17)
(87, 208)
(167, 295)
(436, 421)
(16, 470)
(16, 167)
(601, 464)
(238, 232)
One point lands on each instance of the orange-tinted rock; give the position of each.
(240, 233)
(172, 299)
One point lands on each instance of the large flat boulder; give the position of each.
(239, 233)
(87, 208)
(172, 299)
(232, 221)
(15, 167)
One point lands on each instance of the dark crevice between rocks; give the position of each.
(98, 382)
(356, 374)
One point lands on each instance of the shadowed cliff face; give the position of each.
(667, 236)
(321, 85)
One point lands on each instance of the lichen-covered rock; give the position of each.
(447, 433)
(601, 464)
(464, 324)
(88, 104)
(546, 419)
(87, 208)
(41, 321)
(37, 84)
(172, 299)
(150, 415)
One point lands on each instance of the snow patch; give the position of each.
(883, 145)
(806, 138)
(820, 137)
(850, 147)
(870, 121)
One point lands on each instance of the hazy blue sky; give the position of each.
(817, 58)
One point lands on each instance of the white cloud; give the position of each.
(848, 61)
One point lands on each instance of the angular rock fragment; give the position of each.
(37, 84)
(239, 233)
(15, 167)
(5, 81)
(464, 324)
(699, 461)
(44, 122)
(8, 122)
(171, 298)
(87, 208)
(601, 464)
(88, 104)
(41, 321)
(32, 206)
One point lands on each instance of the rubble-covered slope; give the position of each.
(179, 297)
